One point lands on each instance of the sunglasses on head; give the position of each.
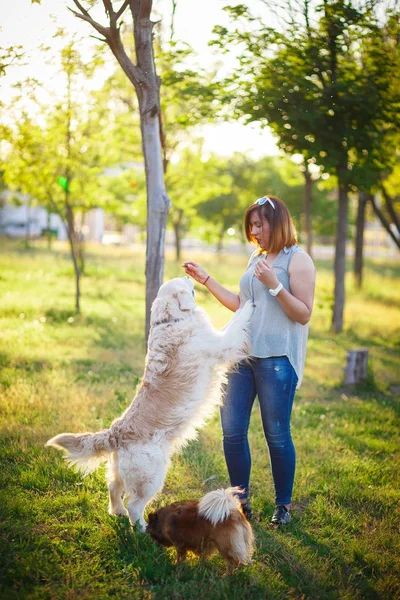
(263, 200)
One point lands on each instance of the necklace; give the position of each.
(252, 280)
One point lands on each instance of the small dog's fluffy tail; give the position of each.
(217, 506)
(220, 505)
(84, 450)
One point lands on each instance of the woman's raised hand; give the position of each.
(195, 271)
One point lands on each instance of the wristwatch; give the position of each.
(276, 291)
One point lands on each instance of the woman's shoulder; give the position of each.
(300, 259)
(295, 249)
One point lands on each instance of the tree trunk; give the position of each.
(48, 230)
(146, 82)
(359, 249)
(68, 221)
(384, 221)
(28, 223)
(391, 210)
(81, 254)
(80, 245)
(385, 224)
(73, 245)
(157, 209)
(178, 233)
(71, 226)
(220, 242)
(158, 203)
(307, 209)
(340, 254)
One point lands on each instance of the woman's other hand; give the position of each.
(195, 271)
(266, 274)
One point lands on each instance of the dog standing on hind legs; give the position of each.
(180, 388)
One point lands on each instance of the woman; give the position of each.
(280, 281)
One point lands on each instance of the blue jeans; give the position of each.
(274, 381)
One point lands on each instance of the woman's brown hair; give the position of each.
(283, 231)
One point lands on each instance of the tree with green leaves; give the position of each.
(391, 205)
(9, 56)
(309, 83)
(142, 75)
(379, 55)
(60, 160)
(195, 184)
(238, 181)
(187, 97)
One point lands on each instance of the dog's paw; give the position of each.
(118, 511)
(246, 346)
(247, 311)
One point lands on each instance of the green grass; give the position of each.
(62, 372)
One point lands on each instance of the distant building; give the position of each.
(22, 220)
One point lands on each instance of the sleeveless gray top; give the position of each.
(272, 333)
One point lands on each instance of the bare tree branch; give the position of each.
(113, 38)
(82, 9)
(383, 221)
(390, 207)
(276, 9)
(172, 30)
(109, 9)
(84, 15)
(97, 38)
(122, 9)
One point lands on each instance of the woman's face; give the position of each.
(260, 229)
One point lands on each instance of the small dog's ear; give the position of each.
(152, 517)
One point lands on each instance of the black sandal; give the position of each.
(247, 510)
(281, 516)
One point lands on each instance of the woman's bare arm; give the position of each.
(297, 303)
(227, 298)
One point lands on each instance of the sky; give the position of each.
(32, 25)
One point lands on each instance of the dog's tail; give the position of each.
(220, 505)
(84, 450)
(217, 506)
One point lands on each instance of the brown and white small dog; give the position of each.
(216, 522)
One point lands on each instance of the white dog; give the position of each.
(180, 387)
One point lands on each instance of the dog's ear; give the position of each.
(159, 311)
(152, 517)
(169, 308)
(185, 300)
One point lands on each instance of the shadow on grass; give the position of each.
(158, 571)
(112, 333)
(13, 367)
(346, 340)
(389, 269)
(55, 316)
(371, 391)
(381, 299)
(31, 365)
(297, 572)
(51, 522)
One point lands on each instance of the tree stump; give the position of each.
(356, 367)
